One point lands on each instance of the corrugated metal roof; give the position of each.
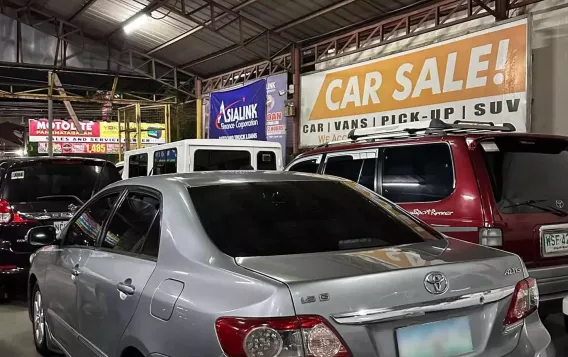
(180, 40)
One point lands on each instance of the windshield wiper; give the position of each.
(60, 197)
(534, 203)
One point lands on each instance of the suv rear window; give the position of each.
(527, 175)
(37, 180)
(295, 217)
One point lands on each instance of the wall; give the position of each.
(550, 70)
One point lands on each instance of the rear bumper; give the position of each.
(14, 279)
(552, 282)
(534, 340)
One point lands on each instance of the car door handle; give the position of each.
(126, 287)
(75, 272)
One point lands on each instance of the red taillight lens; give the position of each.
(7, 267)
(308, 336)
(8, 216)
(524, 302)
(5, 212)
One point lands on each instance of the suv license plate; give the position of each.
(554, 243)
(437, 339)
(59, 226)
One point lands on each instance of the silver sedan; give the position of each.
(271, 264)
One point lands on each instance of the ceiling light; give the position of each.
(136, 23)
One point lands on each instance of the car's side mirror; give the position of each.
(41, 236)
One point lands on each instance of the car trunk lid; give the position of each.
(368, 295)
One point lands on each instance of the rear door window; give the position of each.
(308, 165)
(527, 175)
(134, 227)
(46, 180)
(417, 173)
(355, 166)
(138, 165)
(266, 160)
(165, 162)
(211, 160)
(295, 217)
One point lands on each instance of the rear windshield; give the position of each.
(527, 174)
(295, 217)
(57, 180)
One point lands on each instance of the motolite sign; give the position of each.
(481, 76)
(62, 128)
(239, 113)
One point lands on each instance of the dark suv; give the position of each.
(478, 182)
(41, 191)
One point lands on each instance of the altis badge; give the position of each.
(512, 271)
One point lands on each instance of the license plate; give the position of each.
(554, 243)
(446, 338)
(59, 226)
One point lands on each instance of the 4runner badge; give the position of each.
(512, 271)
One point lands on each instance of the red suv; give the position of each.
(474, 181)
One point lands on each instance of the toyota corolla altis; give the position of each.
(271, 264)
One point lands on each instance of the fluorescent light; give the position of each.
(19, 152)
(135, 24)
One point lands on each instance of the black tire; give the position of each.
(38, 322)
(566, 323)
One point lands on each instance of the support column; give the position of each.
(50, 115)
(199, 103)
(138, 126)
(296, 98)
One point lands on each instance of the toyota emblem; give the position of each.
(436, 283)
(559, 203)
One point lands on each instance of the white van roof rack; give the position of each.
(421, 128)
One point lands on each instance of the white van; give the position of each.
(202, 155)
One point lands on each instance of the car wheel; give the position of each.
(39, 328)
(566, 323)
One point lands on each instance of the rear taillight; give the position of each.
(7, 214)
(492, 237)
(308, 336)
(7, 267)
(524, 302)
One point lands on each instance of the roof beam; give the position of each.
(81, 10)
(131, 60)
(313, 15)
(200, 27)
(273, 31)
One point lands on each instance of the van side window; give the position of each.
(357, 169)
(419, 173)
(138, 165)
(165, 162)
(266, 160)
(210, 160)
(309, 166)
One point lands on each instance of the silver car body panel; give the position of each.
(344, 285)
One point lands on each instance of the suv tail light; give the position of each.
(492, 237)
(7, 215)
(524, 302)
(306, 336)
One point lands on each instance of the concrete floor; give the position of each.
(16, 337)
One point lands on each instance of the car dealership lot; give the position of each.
(16, 336)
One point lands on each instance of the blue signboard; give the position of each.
(239, 113)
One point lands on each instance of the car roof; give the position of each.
(32, 159)
(213, 178)
(361, 144)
